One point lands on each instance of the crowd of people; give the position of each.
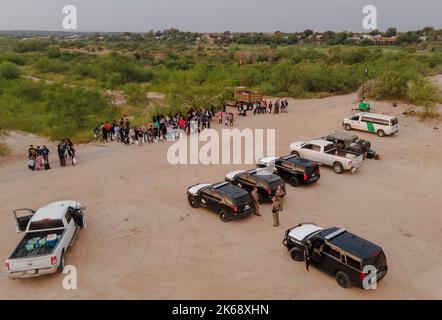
(162, 128)
(172, 127)
(279, 106)
(38, 158)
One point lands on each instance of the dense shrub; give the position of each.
(9, 70)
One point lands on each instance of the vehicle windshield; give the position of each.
(46, 224)
(393, 122)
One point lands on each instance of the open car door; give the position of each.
(22, 218)
(80, 217)
(307, 254)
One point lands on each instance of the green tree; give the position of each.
(390, 32)
(424, 93)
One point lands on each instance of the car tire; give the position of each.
(338, 168)
(381, 133)
(295, 153)
(347, 127)
(294, 182)
(223, 215)
(193, 203)
(297, 254)
(62, 263)
(343, 280)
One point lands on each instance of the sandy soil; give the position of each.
(145, 242)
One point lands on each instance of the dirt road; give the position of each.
(145, 242)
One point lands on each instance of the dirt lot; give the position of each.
(145, 242)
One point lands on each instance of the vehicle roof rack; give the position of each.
(334, 234)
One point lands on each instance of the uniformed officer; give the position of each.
(255, 197)
(280, 193)
(276, 207)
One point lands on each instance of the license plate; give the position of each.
(247, 207)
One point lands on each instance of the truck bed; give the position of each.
(348, 154)
(21, 252)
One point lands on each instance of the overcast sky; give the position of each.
(219, 15)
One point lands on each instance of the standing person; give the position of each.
(39, 162)
(276, 110)
(117, 133)
(270, 106)
(103, 134)
(45, 154)
(95, 132)
(71, 151)
(144, 128)
(61, 156)
(220, 117)
(32, 155)
(255, 197)
(275, 211)
(231, 119)
(280, 193)
(140, 134)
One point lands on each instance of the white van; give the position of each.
(380, 124)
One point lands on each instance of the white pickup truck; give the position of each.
(325, 152)
(49, 232)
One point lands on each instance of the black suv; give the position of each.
(336, 251)
(297, 171)
(265, 181)
(227, 200)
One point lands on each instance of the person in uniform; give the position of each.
(276, 207)
(255, 197)
(280, 193)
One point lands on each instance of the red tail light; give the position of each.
(362, 275)
(305, 177)
(234, 208)
(319, 171)
(7, 266)
(54, 261)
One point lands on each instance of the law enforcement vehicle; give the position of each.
(346, 256)
(292, 169)
(266, 182)
(228, 201)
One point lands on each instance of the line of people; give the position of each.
(279, 106)
(169, 128)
